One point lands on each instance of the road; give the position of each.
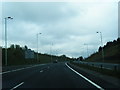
(52, 75)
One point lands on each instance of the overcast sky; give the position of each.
(65, 26)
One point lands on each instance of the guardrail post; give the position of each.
(93, 65)
(101, 66)
(115, 68)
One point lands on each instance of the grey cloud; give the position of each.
(38, 12)
(67, 25)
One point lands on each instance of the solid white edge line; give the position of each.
(17, 86)
(21, 69)
(85, 78)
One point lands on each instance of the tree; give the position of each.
(100, 48)
(80, 58)
(17, 46)
(25, 47)
(118, 39)
(12, 46)
(64, 56)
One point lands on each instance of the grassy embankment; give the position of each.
(111, 54)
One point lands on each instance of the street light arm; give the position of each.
(8, 18)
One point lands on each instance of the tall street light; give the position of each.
(6, 39)
(37, 45)
(101, 45)
(51, 51)
(57, 54)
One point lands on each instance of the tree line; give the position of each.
(111, 52)
(16, 56)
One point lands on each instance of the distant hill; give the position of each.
(111, 53)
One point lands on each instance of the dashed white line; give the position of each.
(41, 71)
(21, 69)
(85, 78)
(17, 69)
(17, 86)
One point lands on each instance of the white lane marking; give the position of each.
(17, 86)
(41, 71)
(48, 67)
(107, 68)
(5, 72)
(21, 69)
(85, 78)
(17, 69)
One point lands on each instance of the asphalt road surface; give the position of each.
(52, 75)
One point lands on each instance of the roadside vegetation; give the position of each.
(16, 56)
(111, 53)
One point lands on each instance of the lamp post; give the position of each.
(37, 45)
(51, 51)
(6, 63)
(101, 45)
(57, 54)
